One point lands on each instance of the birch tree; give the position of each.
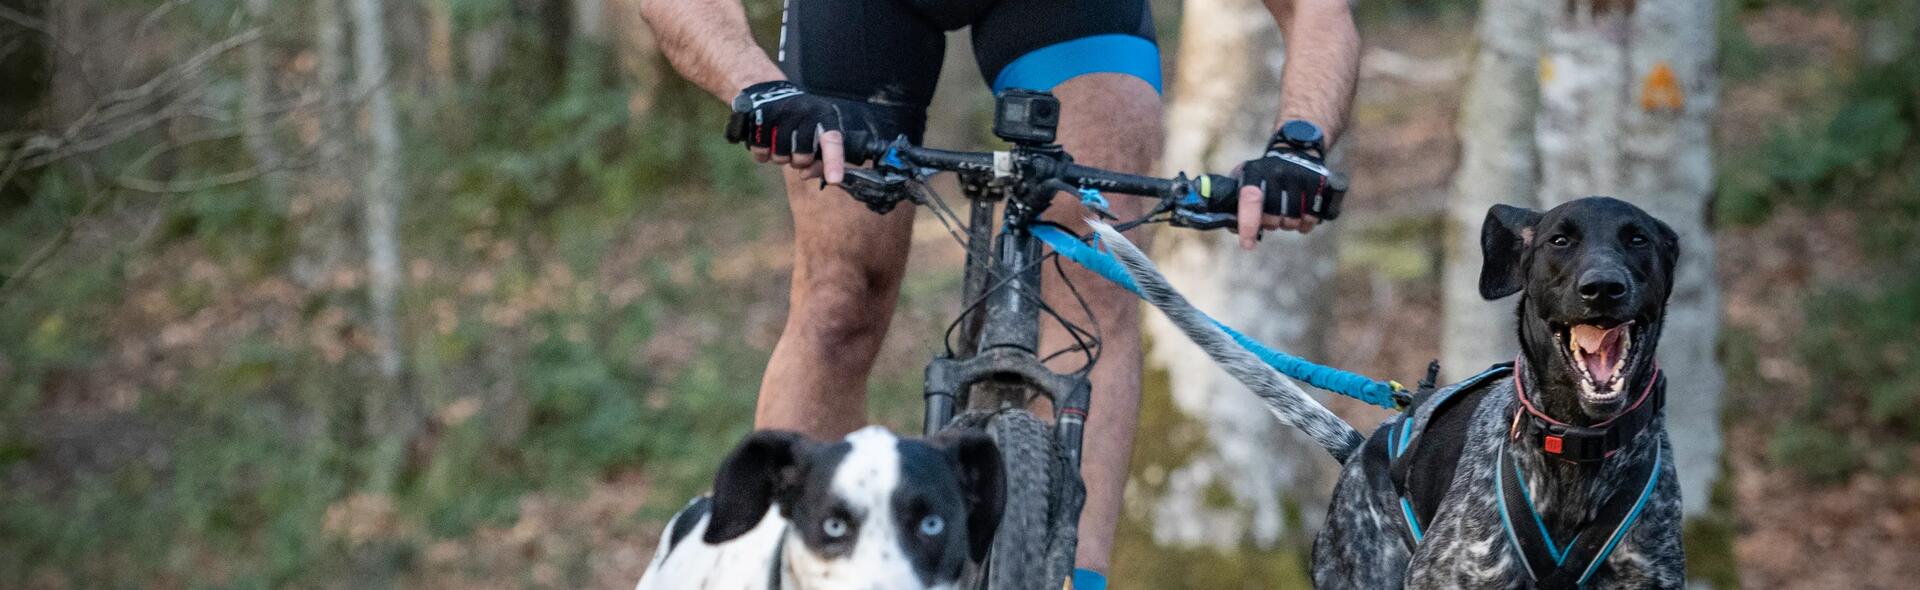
(589, 19)
(320, 210)
(253, 106)
(381, 182)
(1627, 90)
(1221, 113)
(1497, 165)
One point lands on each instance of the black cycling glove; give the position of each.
(1294, 176)
(781, 117)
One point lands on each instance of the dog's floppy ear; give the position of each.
(1504, 238)
(982, 481)
(1670, 251)
(761, 468)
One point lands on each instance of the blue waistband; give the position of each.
(1047, 67)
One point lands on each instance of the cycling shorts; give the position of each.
(888, 52)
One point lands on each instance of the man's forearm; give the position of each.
(1323, 62)
(709, 43)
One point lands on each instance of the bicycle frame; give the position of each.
(999, 340)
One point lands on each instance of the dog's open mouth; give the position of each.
(1601, 356)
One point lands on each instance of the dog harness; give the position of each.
(1550, 564)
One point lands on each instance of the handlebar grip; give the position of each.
(737, 127)
(1337, 186)
(1221, 194)
(1224, 196)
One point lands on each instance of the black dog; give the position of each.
(1554, 472)
(871, 512)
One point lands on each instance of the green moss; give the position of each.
(1709, 538)
(1217, 496)
(1168, 439)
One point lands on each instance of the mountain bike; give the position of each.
(993, 371)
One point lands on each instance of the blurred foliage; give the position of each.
(1858, 152)
(178, 411)
(1710, 538)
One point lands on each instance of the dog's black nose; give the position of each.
(1603, 285)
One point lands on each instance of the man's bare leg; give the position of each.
(847, 265)
(1111, 121)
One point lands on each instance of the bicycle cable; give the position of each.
(1098, 343)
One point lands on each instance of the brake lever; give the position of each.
(1188, 218)
(879, 189)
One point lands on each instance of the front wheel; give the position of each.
(1033, 547)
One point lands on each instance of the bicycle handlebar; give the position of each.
(1208, 201)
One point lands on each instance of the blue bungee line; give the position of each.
(1347, 383)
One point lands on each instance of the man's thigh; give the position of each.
(841, 245)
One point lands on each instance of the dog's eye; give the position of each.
(1637, 240)
(834, 527)
(1561, 240)
(932, 525)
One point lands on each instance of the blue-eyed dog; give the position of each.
(871, 512)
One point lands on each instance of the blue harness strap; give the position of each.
(1354, 385)
(1404, 437)
(1553, 566)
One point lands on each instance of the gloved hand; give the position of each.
(784, 124)
(1289, 187)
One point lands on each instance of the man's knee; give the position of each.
(841, 305)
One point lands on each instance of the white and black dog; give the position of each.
(1550, 472)
(870, 512)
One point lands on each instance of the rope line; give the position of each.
(1347, 383)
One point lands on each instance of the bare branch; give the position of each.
(153, 17)
(148, 185)
(24, 20)
(195, 64)
(107, 121)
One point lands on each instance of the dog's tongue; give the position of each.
(1600, 347)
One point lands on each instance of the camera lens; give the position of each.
(1043, 112)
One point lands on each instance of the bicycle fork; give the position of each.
(1006, 348)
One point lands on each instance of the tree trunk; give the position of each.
(1627, 95)
(589, 19)
(253, 106)
(381, 183)
(1497, 165)
(440, 45)
(1669, 168)
(320, 212)
(639, 55)
(1275, 481)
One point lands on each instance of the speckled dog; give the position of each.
(1553, 471)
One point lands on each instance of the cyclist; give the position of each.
(871, 65)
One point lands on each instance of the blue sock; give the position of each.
(1086, 579)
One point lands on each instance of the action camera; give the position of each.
(1027, 117)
